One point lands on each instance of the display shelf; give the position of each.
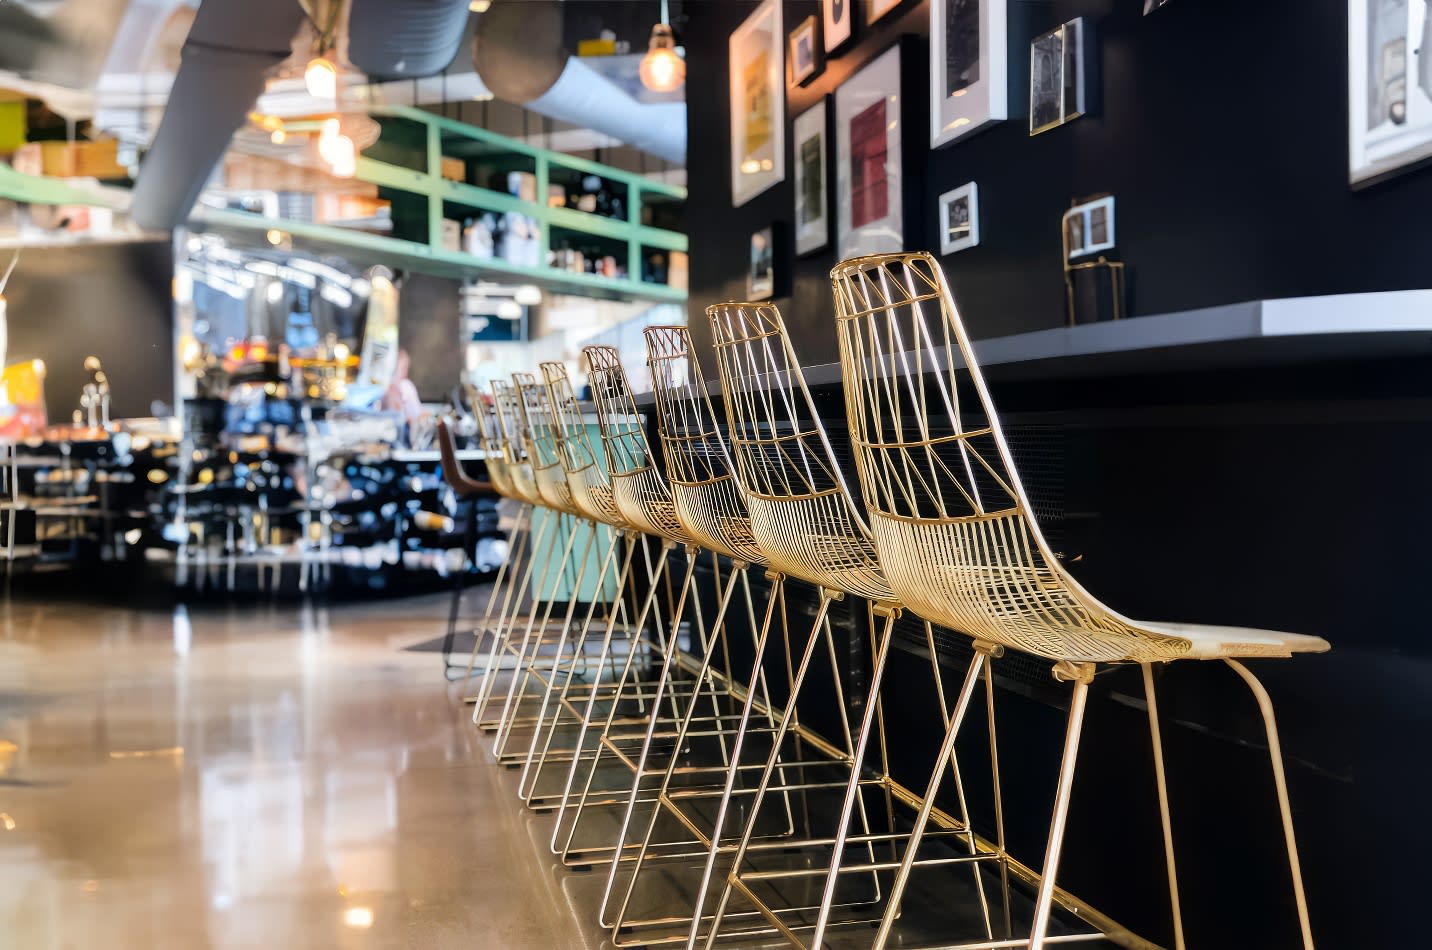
(446, 138)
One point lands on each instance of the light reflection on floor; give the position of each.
(272, 777)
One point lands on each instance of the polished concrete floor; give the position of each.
(269, 777)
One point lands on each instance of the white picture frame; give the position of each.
(802, 51)
(1056, 77)
(836, 22)
(757, 92)
(1389, 98)
(812, 210)
(967, 37)
(869, 189)
(1089, 228)
(959, 211)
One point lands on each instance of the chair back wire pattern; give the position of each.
(802, 513)
(587, 478)
(489, 439)
(955, 530)
(514, 442)
(541, 430)
(643, 497)
(698, 463)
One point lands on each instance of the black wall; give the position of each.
(106, 300)
(1290, 499)
(1222, 134)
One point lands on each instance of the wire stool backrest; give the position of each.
(642, 494)
(802, 513)
(698, 463)
(541, 431)
(489, 439)
(514, 442)
(587, 477)
(951, 519)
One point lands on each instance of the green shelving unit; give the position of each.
(406, 165)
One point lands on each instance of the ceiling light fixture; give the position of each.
(321, 78)
(479, 6)
(662, 68)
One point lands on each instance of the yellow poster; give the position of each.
(758, 104)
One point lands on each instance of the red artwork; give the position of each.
(869, 189)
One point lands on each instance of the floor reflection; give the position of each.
(255, 777)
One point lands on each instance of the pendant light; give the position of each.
(662, 69)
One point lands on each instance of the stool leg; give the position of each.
(1162, 778)
(1045, 900)
(946, 754)
(1275, 753)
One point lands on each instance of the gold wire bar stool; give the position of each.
(808, 524)
(961, 545)
(591, 492)
(539, 547)
(544, 645)
(645, 496)
(711, 509)
(490, 440)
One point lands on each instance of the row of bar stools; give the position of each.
(696, 782)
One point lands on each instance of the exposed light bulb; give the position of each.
(661, 69)
(278, 136)
(274, 236)
(321, 78)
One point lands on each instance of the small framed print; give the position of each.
(868, 182)
(1056, 77)
(969, 71)
(959, 218)
(878, 8)
(835, 23)
(758, 104)
(812, 219)
(1089, 228)
(1389, 88)
(803, 51)
(761, 279)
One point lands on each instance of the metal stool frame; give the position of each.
(961, 545)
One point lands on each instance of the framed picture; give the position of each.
(1389, 88)
(878, 8)
(969, 69)
(803, 51)
(1089, 228)
(959, 218)
(868, 159)
(835, 22)
(1056, 77)
(812, 222)
(761, 279)
(758, 104)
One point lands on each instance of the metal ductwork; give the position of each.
(231, 47)
(405, 39)
(518, 52)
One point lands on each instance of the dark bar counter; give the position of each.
(1266, 465)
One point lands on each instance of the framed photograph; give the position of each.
(878, 8)
(959, 218)
(1089, 228)
(803, 51)
(868, 192)
(758, 104)
(835, 23)
(1056, 77)
(1389, 88)
(812, 222)
(761, 279)
(969, 69)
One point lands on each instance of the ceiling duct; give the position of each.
(223, 63)
(405, 39)
(518, 52)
